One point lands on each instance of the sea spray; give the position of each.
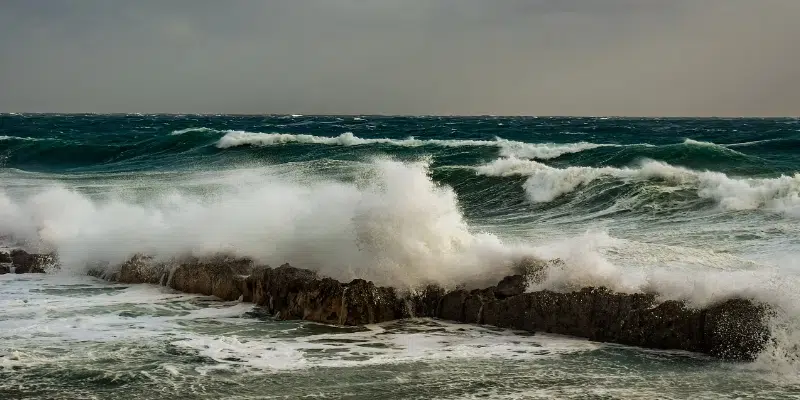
(395, 226)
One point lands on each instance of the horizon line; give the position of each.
(299, 115)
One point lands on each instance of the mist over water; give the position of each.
(695, 210)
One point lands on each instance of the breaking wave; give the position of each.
(715, 146)
(189, 130)
(542, 151)
(396, 226)
(545, 183)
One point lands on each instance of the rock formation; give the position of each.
(22, 262)
(734, 329)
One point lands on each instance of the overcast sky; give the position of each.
(530, 57)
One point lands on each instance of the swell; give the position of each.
(55, 154)
(193, 145)
(507, 147)
(649, 183)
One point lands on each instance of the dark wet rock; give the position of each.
(321, 301)
(5, 258)
(734, 329)
(221, 276)
(28, 263)
(424, 302)
(293, 293)
(451, 306)
(364, 303)
(5, 269)
(277, 289)
(511, 286)
(473, 308)
(141, 269)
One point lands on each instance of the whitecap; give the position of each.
(507, 147)
(546, 183)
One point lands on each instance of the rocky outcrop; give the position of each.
(734, 329)
(292, 293)
(221, 276)
(22, 262)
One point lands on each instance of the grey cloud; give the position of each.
(533, 57)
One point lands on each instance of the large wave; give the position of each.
(394, 226)
(508, 148)
(545, 183)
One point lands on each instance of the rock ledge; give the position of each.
(734, 329)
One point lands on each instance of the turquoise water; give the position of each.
(696, 209)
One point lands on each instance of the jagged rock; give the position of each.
(424, 302)
(473, 308)
(451, 306)
(5, 269)
(292, 293)
(734, 329)
(141, 269)
(511, 286)
(278, 288)
(27, 263)
(5, 258)
(320, 301)
(534, 269)
(507, 313)
(364, 303)
(222, 277)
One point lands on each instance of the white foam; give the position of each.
(545, 183)
(754, 142)
(698, 276)
(721, 147)
(393, 226)
(507, 147)
(189, 130)
(4, 137)
(381, 345)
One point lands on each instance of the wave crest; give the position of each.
(395, 226)
(508, 148)
(546, 183)
(190, 130)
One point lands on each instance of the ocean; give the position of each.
(693, 209)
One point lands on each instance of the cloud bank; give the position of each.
(510, 57)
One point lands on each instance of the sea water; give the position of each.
(694, 209)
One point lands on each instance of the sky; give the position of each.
(418, 57)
